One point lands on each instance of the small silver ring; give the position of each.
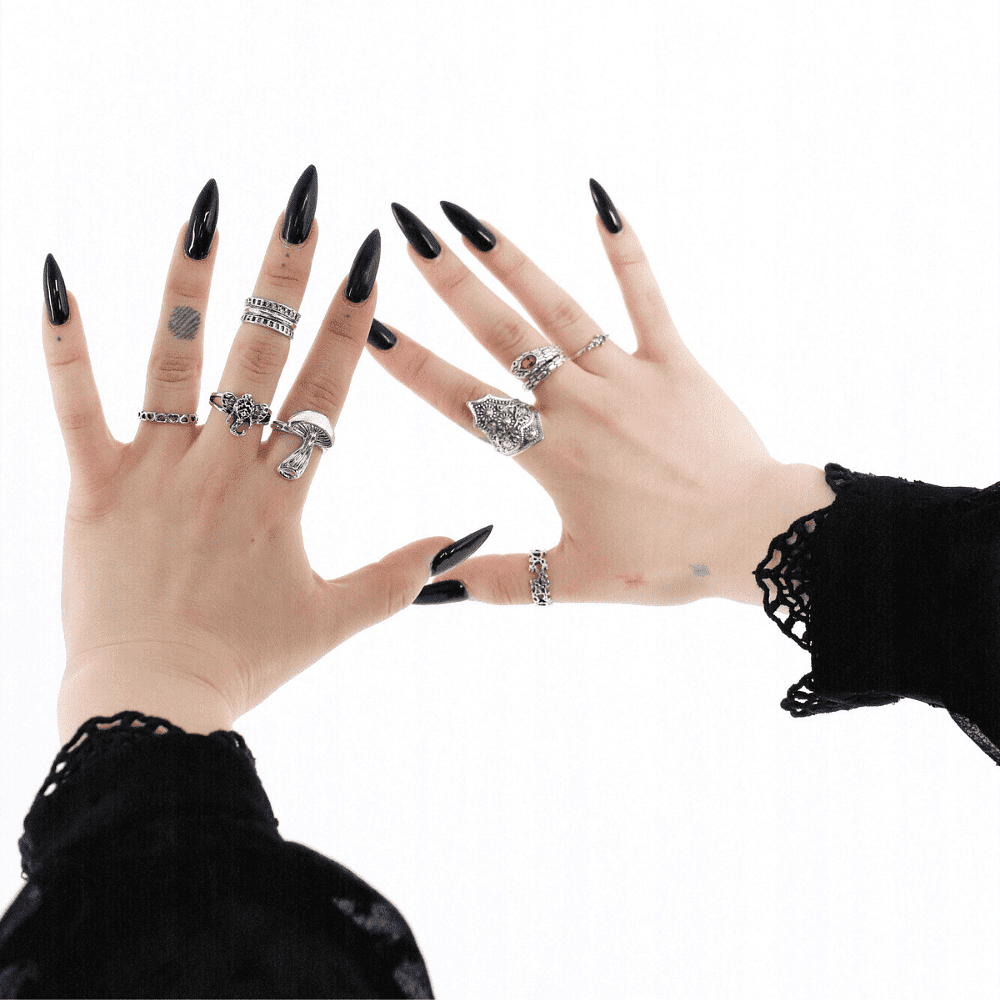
(540, 584)
(241, 410)
(596, 342)
(510, 425)
(168, 418)
(533, 366)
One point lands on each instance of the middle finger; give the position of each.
(258, 354)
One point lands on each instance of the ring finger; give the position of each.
(259, 353)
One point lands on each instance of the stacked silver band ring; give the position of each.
(509, 425)
(273, 315)
(596, 342)
(168, 418)
(540, 584)
(535, 365)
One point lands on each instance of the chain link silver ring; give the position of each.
(540, 584)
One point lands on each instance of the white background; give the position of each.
(577, 801)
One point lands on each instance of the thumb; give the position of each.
(491, 579)
(382, 589)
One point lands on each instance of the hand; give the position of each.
(665, 491)
(186, 585)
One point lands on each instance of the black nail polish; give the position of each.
(301, 208)
(605, 207)
(201, 225)
(469, 226)
(451, 555)
(443, 592)
(361, 280)
(419, 236)
(381, 336)
(55, 292)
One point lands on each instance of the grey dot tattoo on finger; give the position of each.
(700, 570)
(184, 322)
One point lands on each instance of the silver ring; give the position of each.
(596, 342)
(510, 425)
(274, 315)
(241, 410)
(535, 365)
(540, 584)
(168, 418)
(315, 430)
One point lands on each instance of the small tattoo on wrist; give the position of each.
(184, 322)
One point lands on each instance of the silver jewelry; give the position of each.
(510, 425)
(596, 342)
(315, 430)
(273, 315)
(533, 366)
(540, 584)
(168, 418)
(241, 410)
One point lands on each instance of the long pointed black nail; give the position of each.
(201, 225)
(419, 236)
(451, 555)
(380, 336)
(605, 208)
(361, 280)
(55, 292)
(301, 208)
(469, 226)
(443, 592)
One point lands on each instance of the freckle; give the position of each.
(58, 338)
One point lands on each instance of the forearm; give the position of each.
(114, 683)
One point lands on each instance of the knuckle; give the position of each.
(260, 360)
(72, 421)
(456, 279)
(171, 368)
(564, 314)
(413, 370)
(515, 264)
(282, 279)
(510, 590)
(321, 390)
(71, 359)
(507, 335)
(189, 291)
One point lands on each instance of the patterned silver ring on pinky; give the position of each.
(168, 418)
(274, 315)
(535, 365)
(509, 425)
(540, 584)
(596, 342)
(241, 410)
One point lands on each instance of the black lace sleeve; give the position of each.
(894, 589)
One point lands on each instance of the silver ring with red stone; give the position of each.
(533, 366)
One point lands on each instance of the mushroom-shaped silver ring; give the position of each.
(315, 430)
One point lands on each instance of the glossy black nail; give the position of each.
(381, 336)
(417, 234)
(301, 208)
(451, 555)
(56, 300)
(443, 592)
(361, 280)
(605, 208)
(201, 225)
(469, 226)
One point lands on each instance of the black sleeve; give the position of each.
(894, 589)
(154, 868)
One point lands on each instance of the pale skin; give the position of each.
(666, 493)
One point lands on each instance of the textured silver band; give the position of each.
(274, 315)
(510, 425)
(540, 584)
(535, 365)
(241, 410)
(168, 418)
(596, 342)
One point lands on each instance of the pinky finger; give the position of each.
(489, 579)
(89, 444)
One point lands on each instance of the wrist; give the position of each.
(118, 680)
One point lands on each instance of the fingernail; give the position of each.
(443, 592)
(451, 555)
(605, 207)
(301, 208)
(469, 226)
(419, 236)
(201, 225)
(361, 280)
(55, 292)
(381, 336)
